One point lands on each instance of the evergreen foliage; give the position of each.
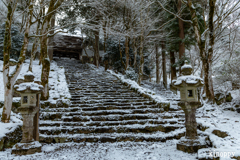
(131, 74)
(17, 41)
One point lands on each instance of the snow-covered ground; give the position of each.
(106, 151)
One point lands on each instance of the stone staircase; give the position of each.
(104, 110)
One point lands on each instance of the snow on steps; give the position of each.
(105, 110)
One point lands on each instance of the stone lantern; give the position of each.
(30, 95)
(188, 86)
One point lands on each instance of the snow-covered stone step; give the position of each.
(92, 107)
(46, 123)
(109, 117)
(109, 100)
(116, 103)
(135, 128)
(58, 115)
(113, 137)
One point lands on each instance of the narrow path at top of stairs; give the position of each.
(104, 110)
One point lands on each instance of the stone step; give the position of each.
(57, 115)
(109, 117)
(90, 107)
(108, 123)
(106, 116)
(135, 128)
(113, 137)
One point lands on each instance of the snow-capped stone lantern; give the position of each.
(188, 85)
(30, 95)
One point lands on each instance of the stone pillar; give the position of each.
(27, 128)
(190, 143)
(189, 109)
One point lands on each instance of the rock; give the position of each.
(229, 97)
(238, 110)
(11, 139)
(220, 133)
(2, 143)
(190, 146)
(27, 148)
(219, 98)
(15, 106)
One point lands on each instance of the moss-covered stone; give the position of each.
(190, 146)
(220, 133)
(229, 97)
(11, 139)
(15, 106)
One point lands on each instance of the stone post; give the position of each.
(189, 109)
(29, 91)
(188, 85)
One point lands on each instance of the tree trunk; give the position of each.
(105, 37)
(135, 53)
(127, 52)
(140, 76)
(173, 68)
(157, 64)
(34, 47)
(9, 79)
(210, 50)
(164, 69)
(206, 55)
(181, 33)
(96, 53)
(53, 5)
(51, 39)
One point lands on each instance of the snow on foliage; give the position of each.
(131, 74)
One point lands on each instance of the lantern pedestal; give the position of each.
(27, 148)
(191, 143)
(27, 145)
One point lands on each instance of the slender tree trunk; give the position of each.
(44, 58)
(181, 33)
(164, 65)
(140, 76)
(127, 52)
(120, 51)
(206, 55)
(51, 39)
(157, 64)
(135, 53)
(45, 69)
(105, 37)
(210, 50)
(34, 47)
(173, 69)
(9, 79)
(96, 55)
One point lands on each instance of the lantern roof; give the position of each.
(28, 85)
(187, 79)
